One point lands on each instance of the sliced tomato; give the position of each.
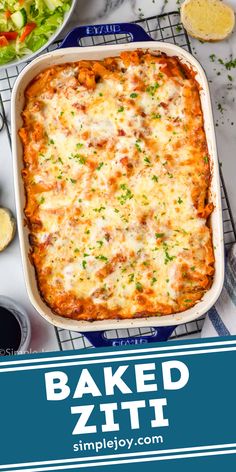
(10, 35)
(7, 14)
(27, 30)
(3, 41)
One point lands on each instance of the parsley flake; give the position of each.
(98, 210)
(100, 166)
(155, 178)
(125, 196)
(42, 200)
(131, 278)
(137, 145)
(168, 258)
(139, 286)
(101, 258)
(212, 57)
(159, 235)
(151, 89)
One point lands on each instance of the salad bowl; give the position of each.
(27, 27)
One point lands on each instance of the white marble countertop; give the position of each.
(223, 94)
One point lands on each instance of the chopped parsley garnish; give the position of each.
(121, 109)
(125, 196)
(147, 160)
(59, 176)
(131, 278)
(84, 264)
(51, 141)
(151, 89)
(192, 268)
(154, 280)
(100, 243)
(101, 258)
(230, 78)
(168, 258)
(231, 64)
(100, 94)
(76, 250)
(159, 235)
(139, 286)
(79, 157)
(156, 116)
(60, 160)
(137, 145)
(98, 210)
(212, 57)
(155, 178)
(73, 181)
(180, 200)
(100, 166)
(87, 231)
(205, 158)
(133, 95)
(79, 145)
(73, 113)
(42, 200)
(178, 28)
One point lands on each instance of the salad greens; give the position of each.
(26, 25)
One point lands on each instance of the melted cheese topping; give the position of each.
(116, 176)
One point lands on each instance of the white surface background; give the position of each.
(223, 92)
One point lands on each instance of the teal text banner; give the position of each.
(166, 406)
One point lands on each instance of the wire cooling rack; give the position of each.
(166, 27)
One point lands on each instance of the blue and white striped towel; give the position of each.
(221, 319)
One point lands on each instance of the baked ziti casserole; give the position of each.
(117, 176)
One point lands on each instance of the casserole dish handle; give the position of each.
(136, 32)
(98, 339)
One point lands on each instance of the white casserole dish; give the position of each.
(100, 52)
